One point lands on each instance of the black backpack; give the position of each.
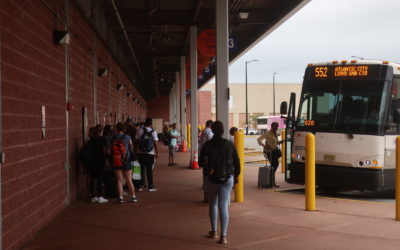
(221, 169)
(146, 143)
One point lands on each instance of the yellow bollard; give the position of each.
(310, 172)
(188, 135)
(283, 159)
(239, 145)
(398, 178)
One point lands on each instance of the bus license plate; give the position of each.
(329, 157)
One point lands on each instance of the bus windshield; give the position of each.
(343, 106)
(262, 121)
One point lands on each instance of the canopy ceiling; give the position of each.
(148, 37)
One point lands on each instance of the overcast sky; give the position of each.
(324, 30)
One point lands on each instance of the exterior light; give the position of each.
(102, 72)
(61, 37)
(243, 15)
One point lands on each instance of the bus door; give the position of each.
(290, 126)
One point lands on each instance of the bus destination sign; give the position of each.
(344, 71)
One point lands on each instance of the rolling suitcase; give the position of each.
(264, 177)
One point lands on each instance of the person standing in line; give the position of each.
(271, 149)
(97, 165)
(221, 168)
(124, 171)
(146, 149)
(173, 135)
(130, 128)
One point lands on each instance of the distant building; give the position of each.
(260, 101)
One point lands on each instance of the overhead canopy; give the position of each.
(148, 37)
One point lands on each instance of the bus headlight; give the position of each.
(296, 157)
(375, 162)
(367, 162)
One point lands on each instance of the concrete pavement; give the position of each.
(175, 217)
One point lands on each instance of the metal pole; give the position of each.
(247, 114)
(239, 145)
(247, 111)
(283, 159)
(310, 172)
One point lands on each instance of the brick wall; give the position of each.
(34, 178)
(159, 108)
(204, 107)
(204, 104)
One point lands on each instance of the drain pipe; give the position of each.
(127, 38)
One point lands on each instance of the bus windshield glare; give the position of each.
(350, 106)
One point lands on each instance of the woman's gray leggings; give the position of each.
(218, 198)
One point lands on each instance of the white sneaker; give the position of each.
(152, 188)
(95, 200)
(102, 200)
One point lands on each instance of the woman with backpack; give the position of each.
(221, 168)
(121, 150)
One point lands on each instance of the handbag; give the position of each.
(136, 171)
(277, 153)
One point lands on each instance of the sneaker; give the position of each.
(134, 199)
(102, 200)
(140, 189)
(212, 234)
(95, 200)
(223, 240)
(152, 188)
(120, 200)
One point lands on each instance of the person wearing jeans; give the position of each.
(221, 168)
(219, 197)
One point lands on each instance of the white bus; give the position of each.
(353, 109)
(264, 123)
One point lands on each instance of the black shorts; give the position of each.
(127, 167)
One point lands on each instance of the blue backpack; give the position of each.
(146, 143)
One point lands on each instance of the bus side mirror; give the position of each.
(283, 108)
(396, 115)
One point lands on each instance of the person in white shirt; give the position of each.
(147, 150)
(206, 135)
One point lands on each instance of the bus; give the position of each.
(353, 109)
(264, 123)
